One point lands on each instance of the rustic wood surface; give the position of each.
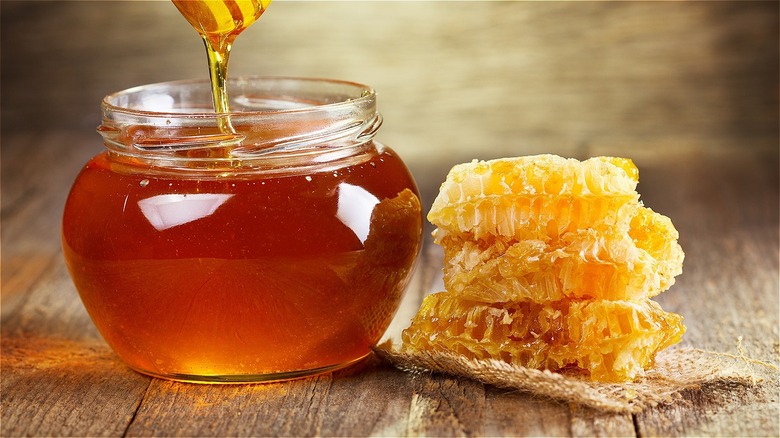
(688, 90)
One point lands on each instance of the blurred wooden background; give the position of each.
(689, 90)
(457, 80)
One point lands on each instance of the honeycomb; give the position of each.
(528, 197)
(551, 263)
(612, 340)
(656, 234)
(640, 262)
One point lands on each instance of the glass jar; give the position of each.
(277, 248)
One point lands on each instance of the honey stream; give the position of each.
(219, 22)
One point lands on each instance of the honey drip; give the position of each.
(219, 22)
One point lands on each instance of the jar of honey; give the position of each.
(275, 249)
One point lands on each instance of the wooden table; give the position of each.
(688, 90)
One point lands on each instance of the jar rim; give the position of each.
(274, 122)
(363, 93)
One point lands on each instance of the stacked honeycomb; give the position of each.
(550, 263)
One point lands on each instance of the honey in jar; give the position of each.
(285, 255)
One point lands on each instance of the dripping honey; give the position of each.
(219, 22)
(268, 276)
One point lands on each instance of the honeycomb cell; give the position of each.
(611, 340)
(587, 263)
(506, 196)
(656, 234)
(536, 217)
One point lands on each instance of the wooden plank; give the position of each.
(726, 209)
(369, 399)
(58, 376)
(589, 422)
(37, 171)
(58, 387)
(722, 411)
(36, 175)
(373, 401)
(20, 273)
(451, 406)
(512, 413)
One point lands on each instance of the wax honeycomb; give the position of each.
(640, 262)
(656, 234)
(612, 340)
(550, 263)
(527, 197)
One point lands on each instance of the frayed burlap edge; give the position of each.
(675, 370)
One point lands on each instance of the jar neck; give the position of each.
(278, 125)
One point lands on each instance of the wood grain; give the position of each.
(367, 400)
(58, 387)
(687, 89)
(726, 209)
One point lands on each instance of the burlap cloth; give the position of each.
(675, 370)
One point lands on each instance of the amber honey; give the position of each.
(287, 255)
(234, 276)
